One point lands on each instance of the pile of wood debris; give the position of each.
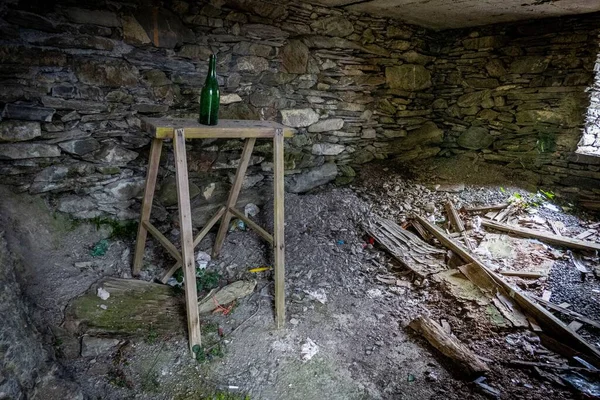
(504, 276)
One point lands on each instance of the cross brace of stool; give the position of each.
(179, 130)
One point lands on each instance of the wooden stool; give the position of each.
(179, 130)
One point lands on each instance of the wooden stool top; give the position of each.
(164, 128)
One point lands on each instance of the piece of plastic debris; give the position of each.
(551, 207)
(410, 378)
(237, 225)
(259, 269)
(103, 294)
(309, 349)
(173, 282)
(340, 242)
(318, 295)
(485, 388)
(99, 248)
(251, 210)
(584, 363)
(582, 384)
(374, 293)
(104, 306)
(477, 223)
(202, 259)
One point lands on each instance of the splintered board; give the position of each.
(416, 255)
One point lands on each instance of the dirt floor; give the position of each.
(340, 302)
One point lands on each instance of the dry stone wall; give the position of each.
(517, 94)
(76, 80)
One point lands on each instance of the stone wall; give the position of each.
(76, 81)
(517, 94)
(28, 370)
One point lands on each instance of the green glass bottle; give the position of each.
(209, 96)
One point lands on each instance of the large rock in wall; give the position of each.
(77, 81)
(517, 94)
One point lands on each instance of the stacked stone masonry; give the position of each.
(517, 94)
(76, 82)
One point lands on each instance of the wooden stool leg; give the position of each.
(278, 228)
(187, 240)
(233, 195)
(151, 175)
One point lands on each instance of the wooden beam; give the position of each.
(211, 222)
(187, 240)
(523, 274)
(265, 235)
(457, 223)
(166, 243)
(279, 227)
(448, 345)
(422, 232)
(486, 208)
(558, 367)
(542, 236)
(233, 195)
(566, 311)
(549, 323)
(151, 175)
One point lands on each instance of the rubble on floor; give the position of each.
(512, 257)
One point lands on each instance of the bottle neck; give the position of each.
(212, 67)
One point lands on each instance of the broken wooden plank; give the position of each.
(534, 325)
(554, 227)
(578, 263)
(457, 223)
(575, 326)
(546, 294)
(495, 207)
(132, 308)
(564, 305)
(542, 236)
(585, 234)
(549, 323)
(420, 230)
(503, 214)
(521, 363)
(523, 274)
(567, 312)
(418, 256)
(448, 345)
